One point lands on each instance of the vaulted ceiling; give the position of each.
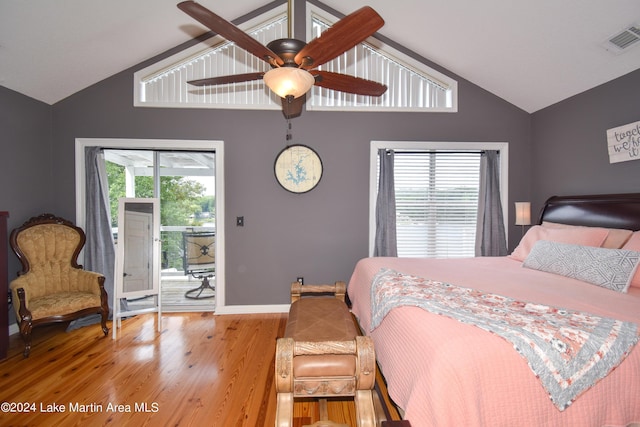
(530, 53)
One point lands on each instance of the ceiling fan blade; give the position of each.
(348, 84)
(340, 37)
(292, 107)
(229, 31)
(235, 78)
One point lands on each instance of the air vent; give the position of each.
(624, 39)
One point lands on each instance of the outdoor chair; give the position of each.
(199, 261)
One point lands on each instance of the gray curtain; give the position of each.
(386, 241)
(490, 231)
(99, 251)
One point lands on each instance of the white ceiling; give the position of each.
(530, 53)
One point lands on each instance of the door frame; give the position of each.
(167, 145)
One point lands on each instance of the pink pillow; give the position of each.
(587, 236)
(633, 244)
(615, 239)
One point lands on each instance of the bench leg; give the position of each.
(284, 410)
(365, 413)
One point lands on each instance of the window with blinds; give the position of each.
(164, 84)
(412, 86)
(436, 186)
(436, 202)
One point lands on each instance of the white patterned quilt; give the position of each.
(569, 351)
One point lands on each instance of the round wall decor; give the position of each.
(298, 168)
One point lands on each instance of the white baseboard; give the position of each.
(229, 309)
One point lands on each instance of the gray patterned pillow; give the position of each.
(610, 268)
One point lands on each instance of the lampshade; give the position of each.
(523, 213)
(284, 81)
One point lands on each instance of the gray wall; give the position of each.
(569, 143)
(319, 235)
(26, 169)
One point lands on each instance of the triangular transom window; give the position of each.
(412, 86)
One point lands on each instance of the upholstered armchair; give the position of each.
(52, 287)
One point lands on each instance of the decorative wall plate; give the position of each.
(298, 168)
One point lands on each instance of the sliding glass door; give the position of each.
(188, 225)
(184, 181)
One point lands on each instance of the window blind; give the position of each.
(412, 85)
(169, 85)
(436, 202)
(408, 87)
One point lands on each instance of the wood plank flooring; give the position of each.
(173, 295)
(201, 370)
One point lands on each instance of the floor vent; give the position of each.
(623, 40)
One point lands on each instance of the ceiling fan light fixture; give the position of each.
(289, 81)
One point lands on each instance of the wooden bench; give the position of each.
(323, 355)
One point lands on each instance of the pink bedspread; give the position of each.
(443, 373)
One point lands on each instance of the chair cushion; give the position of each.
(325, 365)
(62, 303)
(318, 319)
(49, 249)
(46, 243)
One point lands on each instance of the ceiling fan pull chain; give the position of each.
(289, 137)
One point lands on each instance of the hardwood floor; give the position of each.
(173, 295)
(201, 370)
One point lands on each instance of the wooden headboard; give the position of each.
(604, 210)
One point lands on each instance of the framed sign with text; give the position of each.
(624, 143)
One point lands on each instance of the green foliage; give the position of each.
(208, 204)
(181, 199)
(181, 202)
(115, 176)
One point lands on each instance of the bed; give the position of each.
(442, 371)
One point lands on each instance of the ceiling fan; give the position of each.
(294, 63)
